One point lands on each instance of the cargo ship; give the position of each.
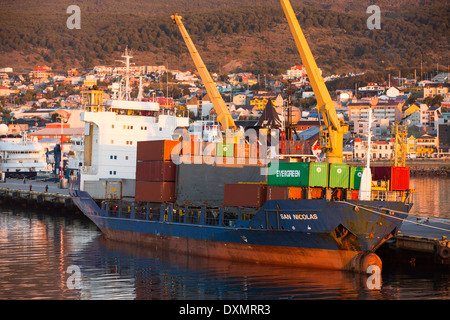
(306, 214)
(242, 199)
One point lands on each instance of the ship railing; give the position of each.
(174, 112)
(168, 213)
(384, 195)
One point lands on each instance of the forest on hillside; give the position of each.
(256, 35)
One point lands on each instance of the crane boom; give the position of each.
(223, 114)
(332, 139)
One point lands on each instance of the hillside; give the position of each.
(231, 36)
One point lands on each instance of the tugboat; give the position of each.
(230, 200)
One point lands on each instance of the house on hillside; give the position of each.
(260, 100)
(426, 146)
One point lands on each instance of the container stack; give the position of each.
(397, 178)
(155, 171)
(287, 180)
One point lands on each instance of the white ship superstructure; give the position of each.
(112, 130)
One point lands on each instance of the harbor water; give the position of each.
(52, 255)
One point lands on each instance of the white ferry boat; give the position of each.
(20, 157)
(112, 130)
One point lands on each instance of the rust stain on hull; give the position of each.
(279, 255)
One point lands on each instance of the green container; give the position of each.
(291, 174)
(355, 177)
(318, 174)
(225, 149)
(339, 173)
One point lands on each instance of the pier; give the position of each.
(421, 242)
(36, 193)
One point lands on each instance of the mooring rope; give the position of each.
(404, 220)
(419, 216)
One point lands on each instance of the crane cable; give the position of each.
(404, 220)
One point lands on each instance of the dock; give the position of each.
(41, 193)
(422, 241)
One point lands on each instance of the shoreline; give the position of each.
(437, 167)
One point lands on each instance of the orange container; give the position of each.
(295, 193)
(242, 150)
(191, 148)
(156, 150)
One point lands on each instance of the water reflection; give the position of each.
(432, 197)
(160, 274)
(36, 249)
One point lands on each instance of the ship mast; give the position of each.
(126, 95)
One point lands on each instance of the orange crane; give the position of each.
(223, 114)
(331, 140)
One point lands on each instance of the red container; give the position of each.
(277, 193)
(400, 178)
(354, 194)
(152, 191)
(156, 171)
(157, 150)
(244, 195)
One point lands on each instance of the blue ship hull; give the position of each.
(308, 233)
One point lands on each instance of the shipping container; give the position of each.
(191, 148)
(244, 195)
(338, 175)
(153, 191)
(156, 150)
(277, 193)
(202, 183)
(318, 174)
(156, 171)
(295, 147)
(380, 173)
(294, 174)
(355, 177)
(316, 193)
(225, 149)
(352, 194)
(242, 150)
(295, 193)
(400, 178)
